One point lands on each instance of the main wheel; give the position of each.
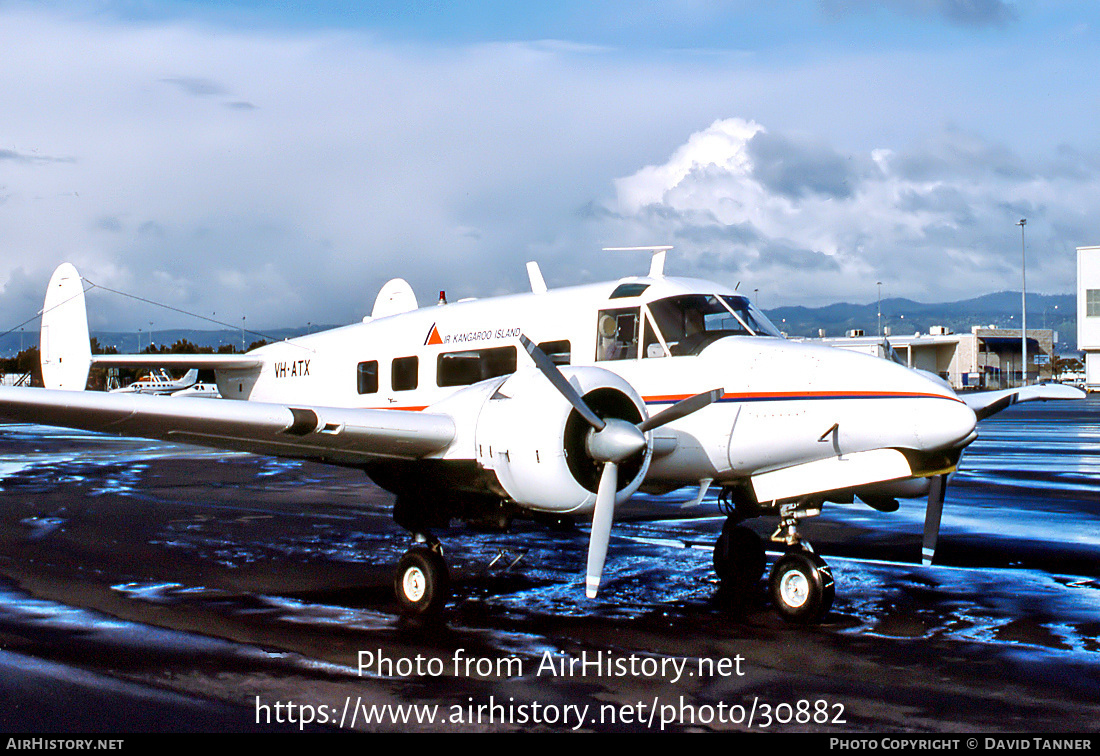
(421, 582)
(739, 559)
(802, 587)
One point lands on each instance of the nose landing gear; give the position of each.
(800, 584)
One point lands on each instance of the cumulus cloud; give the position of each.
(934, 222)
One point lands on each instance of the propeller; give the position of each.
(937, 491)
(611, 441)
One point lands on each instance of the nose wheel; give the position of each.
(800, 584)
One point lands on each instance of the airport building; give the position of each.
(985, 358)
(1088, 313)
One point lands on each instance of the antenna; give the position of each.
(656, 263)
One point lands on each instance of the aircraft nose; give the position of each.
(945, 422)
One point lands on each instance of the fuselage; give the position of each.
(784, 402)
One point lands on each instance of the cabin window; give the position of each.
(617, 334)
(404, 373)
(559, 352)
(473, 365)
(366, 377)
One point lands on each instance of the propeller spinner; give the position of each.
(610, 441)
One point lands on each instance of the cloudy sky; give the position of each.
(280, 161)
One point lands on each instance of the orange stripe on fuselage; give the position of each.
(774, 396)
(768, 396)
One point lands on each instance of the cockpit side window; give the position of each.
(692, 321)
(617, 334)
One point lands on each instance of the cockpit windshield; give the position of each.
(690, 322)
(753, 317)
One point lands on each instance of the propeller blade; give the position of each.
(682, 408)
(601, 527)
(937, 491)
(550, 370)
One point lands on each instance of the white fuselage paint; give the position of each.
(785, 403)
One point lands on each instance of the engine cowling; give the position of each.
(533, 440)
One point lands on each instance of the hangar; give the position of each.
(985, 358)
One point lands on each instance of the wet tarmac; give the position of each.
(146, 587)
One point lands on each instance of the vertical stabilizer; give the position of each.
(64, 346)
(395, 298)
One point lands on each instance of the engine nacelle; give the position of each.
(533, 440)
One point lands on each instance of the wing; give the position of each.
(986, 403)
(336, 435)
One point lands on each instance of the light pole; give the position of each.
(1023, 302)
(879, 285)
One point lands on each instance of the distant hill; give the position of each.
(1057, 312)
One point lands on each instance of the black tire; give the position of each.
(422, 583)
(802, 587)
(739, 558)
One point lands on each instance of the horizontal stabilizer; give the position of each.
(188, 361)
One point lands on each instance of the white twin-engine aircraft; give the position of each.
(559, 405)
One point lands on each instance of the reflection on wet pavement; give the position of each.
(276, 573)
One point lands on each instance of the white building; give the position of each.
(985, 358)
(1088, 313)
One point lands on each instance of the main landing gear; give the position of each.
(422, 583)
(800, 584)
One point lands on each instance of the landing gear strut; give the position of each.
(421, 583)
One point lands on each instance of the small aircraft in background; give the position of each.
(159, 383)
(560, 404)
